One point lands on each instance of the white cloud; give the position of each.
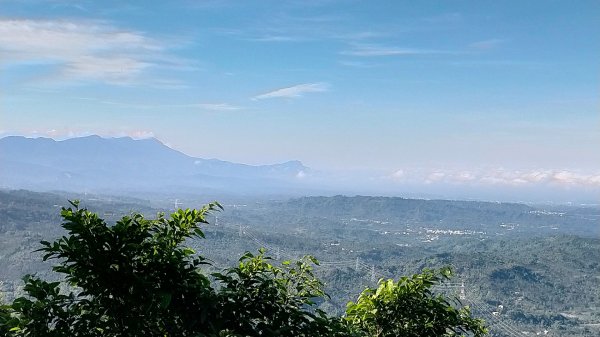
(216, 106)
(115, 70)
(535, 176)
(444, 18)
(499, 176)
(294, 91)
(376, 50)
(566, 177)
(464, 176)
(398, 175)
(435, 177)
(551, 177)
(486, 44)
(66, 133)
(202, 106)
(138, 134)
(276, 38)
(355, 64)
(82, 50)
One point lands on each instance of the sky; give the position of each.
(477, 93)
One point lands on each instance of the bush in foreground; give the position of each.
(138, 278)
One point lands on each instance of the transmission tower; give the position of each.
(462, 295)
(373, 276)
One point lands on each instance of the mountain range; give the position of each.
(121, 165)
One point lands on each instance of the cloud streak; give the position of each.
(81, 50)
(201, 106)
(276, 38)
(294, 91)
(377, 50)
(486, 44)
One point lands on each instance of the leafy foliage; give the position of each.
(139, 278)
(261, 299)
(409, 308)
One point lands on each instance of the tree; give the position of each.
(259, 299)
(133, 278)
(138, 278)
(409, 308)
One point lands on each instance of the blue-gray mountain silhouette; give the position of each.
(97, 164)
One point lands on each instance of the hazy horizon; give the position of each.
(548, 187)
(474, 99)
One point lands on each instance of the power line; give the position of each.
(373, 274)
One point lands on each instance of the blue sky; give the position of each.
(476, 92)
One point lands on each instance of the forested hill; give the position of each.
(398, 209)
(447, 213)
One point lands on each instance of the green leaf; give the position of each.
(165, 300)
(199, 232)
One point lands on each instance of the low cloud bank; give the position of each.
(551, 177)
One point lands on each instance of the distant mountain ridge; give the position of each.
(123, 164)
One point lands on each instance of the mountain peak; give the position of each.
(124, 163)
(293, 164)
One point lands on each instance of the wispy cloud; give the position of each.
(216, 106)
(294, 91)
(112, 70)
(445, 18)
(288, 26)
(357, 64)
(486, 44)
(200, 106)
(378, 50)
(361, 35)
(81, 50)
(276, 38)
(501, 63)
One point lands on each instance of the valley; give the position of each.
(525, 269)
